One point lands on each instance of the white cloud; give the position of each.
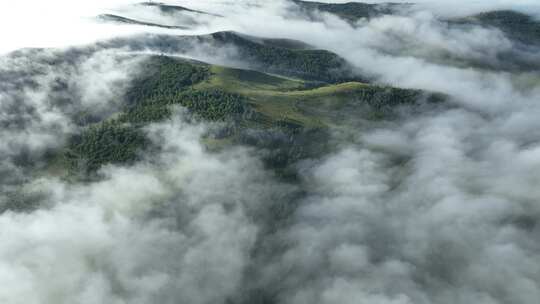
(100, 242)
(437, 207)
(59, 23)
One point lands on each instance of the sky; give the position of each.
(56, 23)
(43, 23)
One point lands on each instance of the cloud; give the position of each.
(45, 93)
(62, 23)
(173, 228)
(432, 208)
(436, 206)
(441, 227)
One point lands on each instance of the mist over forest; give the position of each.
(270, 152)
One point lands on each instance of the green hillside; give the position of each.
(515, 25)
(288, 118)
(286, 57)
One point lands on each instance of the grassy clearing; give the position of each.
(308, 104)
(277, 98)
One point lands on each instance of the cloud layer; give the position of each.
(437, 206)
(173, 228)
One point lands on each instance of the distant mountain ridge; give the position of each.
(168, 9)
(124, 20)
(290, 58)
(515, 25)
(351, 11)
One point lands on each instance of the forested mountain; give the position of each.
(258, 109)
(270, 152)
(351, 11)
(170, 9)
(518, 26)
(284, 57)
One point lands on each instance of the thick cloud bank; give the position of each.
(437, 206)
(173, 228)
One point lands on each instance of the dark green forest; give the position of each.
(286, 125)
(104, 143)
(515, 25)
(278, 58)
(350, 11)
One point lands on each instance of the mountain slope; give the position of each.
(517, 26)
(256, 108)
(124, 20)
(318, 65)
(171, 9)
(283, 57)
(351, 11)
(186, 17)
